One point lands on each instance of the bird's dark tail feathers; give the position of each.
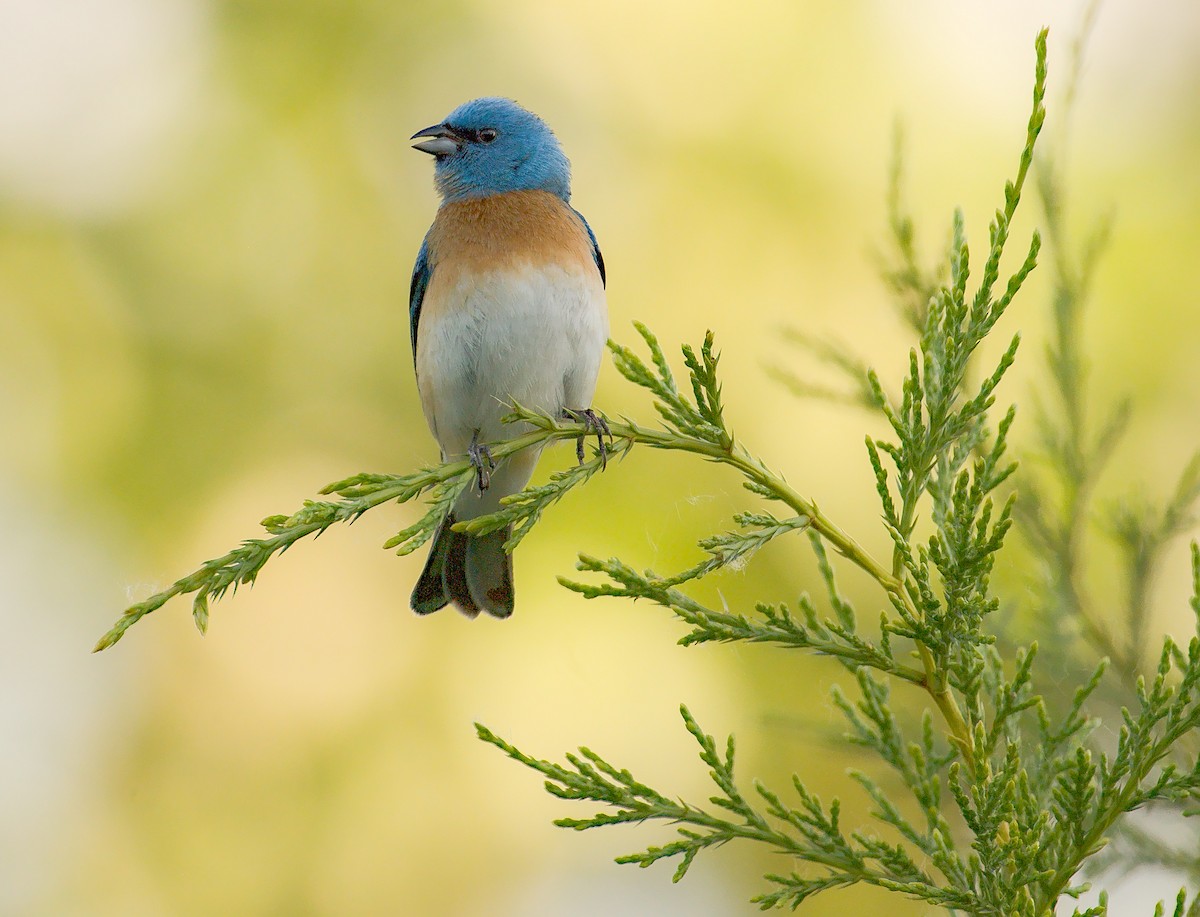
(472, 571)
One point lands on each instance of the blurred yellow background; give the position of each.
(208, 216)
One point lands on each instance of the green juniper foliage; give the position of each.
(1059, 500)
(1005, 796)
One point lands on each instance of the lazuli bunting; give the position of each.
(507, 304)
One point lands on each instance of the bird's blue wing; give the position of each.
(422, 271)
(599, 258)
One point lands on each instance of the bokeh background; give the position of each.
(208, 214)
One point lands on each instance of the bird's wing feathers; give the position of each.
(422, 271)
(599, 258)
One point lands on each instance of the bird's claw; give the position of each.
(593, 423)
(483, 463)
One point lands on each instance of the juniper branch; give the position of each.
(810, 831)
(361, 493)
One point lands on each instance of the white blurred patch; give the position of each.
(1135, 892)
(94, 95)
(62, 710)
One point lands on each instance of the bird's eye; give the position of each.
(487, 135)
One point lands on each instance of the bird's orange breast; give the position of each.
(511, 231)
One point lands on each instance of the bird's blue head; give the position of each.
(489, 146)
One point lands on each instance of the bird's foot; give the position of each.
(593, 423)
(483, 463)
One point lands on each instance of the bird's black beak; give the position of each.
(443, 141)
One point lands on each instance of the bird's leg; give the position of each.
(593, 423)
(481, 461)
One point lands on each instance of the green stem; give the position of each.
(935, 684)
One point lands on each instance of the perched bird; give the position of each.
(507, 305)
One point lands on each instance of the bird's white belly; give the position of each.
(534, 336)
